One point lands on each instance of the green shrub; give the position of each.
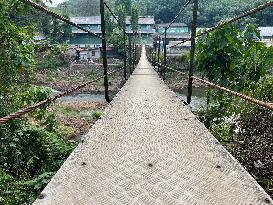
(96, 115)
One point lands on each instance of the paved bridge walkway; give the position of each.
(149, 148)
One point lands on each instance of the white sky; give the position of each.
(55, 2)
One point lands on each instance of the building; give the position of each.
(93, 23)
(84, 54)
(266, 33)
(177, 31)
(181, 49)
(82, 39)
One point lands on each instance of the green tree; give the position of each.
(127, 6)
(60, 30)
(29, 154)
(56, 30)
(81, 7)
(117, 38)
(134, 18)
(66, 29)
(122, 16)
(109, 23)
(231, 57)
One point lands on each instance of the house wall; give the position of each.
(179, 50)
(83, 40)
(93, 27)
(85, 54)
(175, 30)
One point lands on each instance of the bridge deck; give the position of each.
(148, 148)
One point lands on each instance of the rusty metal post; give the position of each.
(154, 59)
(158, 54)
(208, 97)
(165, 54)
(130, 54)
(125, 57)
(104, 57)
(193, 35)
(133, 55)
(135, 52)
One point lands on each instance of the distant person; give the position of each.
(78, 54)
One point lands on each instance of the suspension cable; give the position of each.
(170, 68)
(247, 98)
(57, 16)
(232, 20)
(31, 108)
(179, 13)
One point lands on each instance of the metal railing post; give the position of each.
(154, 59)
(135, 52)
(165, 54)
(158, 54)
(153, 62)
(125, 57)
(104, 57)
(130, 54)
(133, 56)
(193, 34)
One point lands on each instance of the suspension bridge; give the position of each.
(148, 147)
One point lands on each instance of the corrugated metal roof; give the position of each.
(84, 39)
(142, 20)
(86, 20)
(177, 36)
(266, 31)
(96, 20)
(163, 25)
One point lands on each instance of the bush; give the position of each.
(231, 57)
(96, 115)
(30, 158)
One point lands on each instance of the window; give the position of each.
(93, 53)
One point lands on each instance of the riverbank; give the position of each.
(64, 78)
(76, 118)
(78, 112)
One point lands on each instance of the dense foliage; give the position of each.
(81, 7)
(31, 148)
(210, 13)
(231, 57)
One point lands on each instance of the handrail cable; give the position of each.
(179, 13)
(35, 106)
(247, 98)
(232, 20)
(57, 16)
(170, 68)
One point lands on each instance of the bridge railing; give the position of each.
(131, 49)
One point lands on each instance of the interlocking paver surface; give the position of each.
(149, 148)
